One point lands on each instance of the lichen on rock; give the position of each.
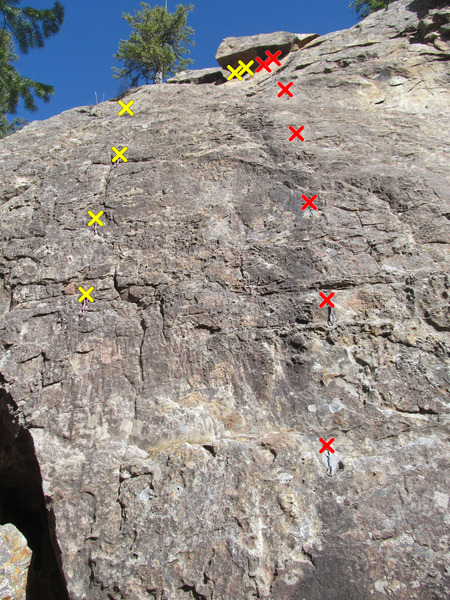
(15, 557)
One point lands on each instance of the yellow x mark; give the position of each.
(246, 67)
(120, 154)
(240, 70)
(234, 73)
(125, 108)
(95, 218)
(85, 294)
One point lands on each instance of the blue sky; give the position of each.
(77, 61)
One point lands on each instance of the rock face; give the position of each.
(15, 557)
(176, 423)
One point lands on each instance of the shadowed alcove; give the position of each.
(22, 503)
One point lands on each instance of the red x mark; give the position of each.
(285, 89)
(326, 300)
(269, 60)
(326, 445)
(309, 202)
(296, 133)
(263, 65)
(273, 58)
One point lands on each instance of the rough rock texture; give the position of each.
(247, 48)
(435, 26)
(177, 423)
(15, 557)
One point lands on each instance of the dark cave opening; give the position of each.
(22, 503)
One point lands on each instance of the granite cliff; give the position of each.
(162, 443)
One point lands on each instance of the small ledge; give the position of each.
(211, 75)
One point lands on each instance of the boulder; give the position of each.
(15, 558)
(247, 48)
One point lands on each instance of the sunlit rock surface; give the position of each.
(15, 557)
(177, 422)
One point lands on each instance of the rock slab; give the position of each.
(177, 422)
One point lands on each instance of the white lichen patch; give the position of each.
(441, 500)
(336, 406)
(380, 585)
(284, 477)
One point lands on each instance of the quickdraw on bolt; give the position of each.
(330, 466)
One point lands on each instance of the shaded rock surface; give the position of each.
(15, 557)
(177, 423)
(436, 26)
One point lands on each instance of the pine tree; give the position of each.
(29, 27)
(365, 7)
(156, 46)
(6, 57)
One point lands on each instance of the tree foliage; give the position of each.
(365, 7)
(6, 57)
(155, 48)
(29, 27)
